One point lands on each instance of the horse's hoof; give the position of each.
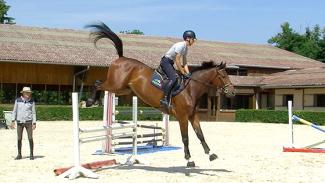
(190, 164)
(213, 157)
(89, 102)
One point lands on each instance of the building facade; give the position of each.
(63, 60)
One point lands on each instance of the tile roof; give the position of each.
(73, 47)
(310, 77)
(246, 81)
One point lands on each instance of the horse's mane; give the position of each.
(205, 65)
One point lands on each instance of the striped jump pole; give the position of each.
(108, 118)
(296, 118)
(309, 148)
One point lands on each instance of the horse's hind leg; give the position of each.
(116, 82)
(195, 121)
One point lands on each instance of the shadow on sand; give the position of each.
(175, 169)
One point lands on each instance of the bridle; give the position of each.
(225, 85)
(220, 75)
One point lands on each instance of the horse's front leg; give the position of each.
(183, 123)
(195, 121)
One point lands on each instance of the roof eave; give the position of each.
(49, 63)
(291, 86)
(264, 66)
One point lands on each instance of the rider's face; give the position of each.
(190, 41)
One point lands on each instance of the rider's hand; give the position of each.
(188, 75)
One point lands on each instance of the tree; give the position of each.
(321, 54)
(311, 44)
(135, 31)
(3, 14)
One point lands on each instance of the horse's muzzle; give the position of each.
(230, 94)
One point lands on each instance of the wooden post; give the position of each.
(218, 107)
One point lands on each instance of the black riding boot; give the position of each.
(19, 150)
(31, 149)
(167, 94)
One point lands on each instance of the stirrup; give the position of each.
(166, 104)
(163, 102)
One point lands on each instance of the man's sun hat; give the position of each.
(26, 89)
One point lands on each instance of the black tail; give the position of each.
(100, 30)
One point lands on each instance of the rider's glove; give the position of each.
(188, 75)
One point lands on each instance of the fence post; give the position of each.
(291, 141)
(166, 126)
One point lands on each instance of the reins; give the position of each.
(224, 88)
(204, 83)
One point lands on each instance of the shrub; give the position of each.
(64, 113)
(277, 116)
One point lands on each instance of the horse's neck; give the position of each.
(200, 87)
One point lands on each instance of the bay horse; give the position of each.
(126, 75)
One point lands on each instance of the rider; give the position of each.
(177, 53)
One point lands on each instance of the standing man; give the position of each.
(177, 53)
(24, 114)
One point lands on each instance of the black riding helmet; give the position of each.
(190, 34)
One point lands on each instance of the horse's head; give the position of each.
(222, 80)
(214, 76)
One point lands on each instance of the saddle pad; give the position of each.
(157, 80)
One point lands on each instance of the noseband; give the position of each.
(225, 88)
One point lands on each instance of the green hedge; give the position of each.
(64, 113)
(277, 116)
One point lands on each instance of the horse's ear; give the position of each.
(222, 65)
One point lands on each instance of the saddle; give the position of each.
(159, 80)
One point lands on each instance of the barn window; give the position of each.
(238, 102)
(287, 98)
(319, 100)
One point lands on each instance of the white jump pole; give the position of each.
(166, 121)
(77, 169)
(291, 141)
(133, 158)
(108, 118)
(135, 123)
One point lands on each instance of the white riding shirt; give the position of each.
(179, 48)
